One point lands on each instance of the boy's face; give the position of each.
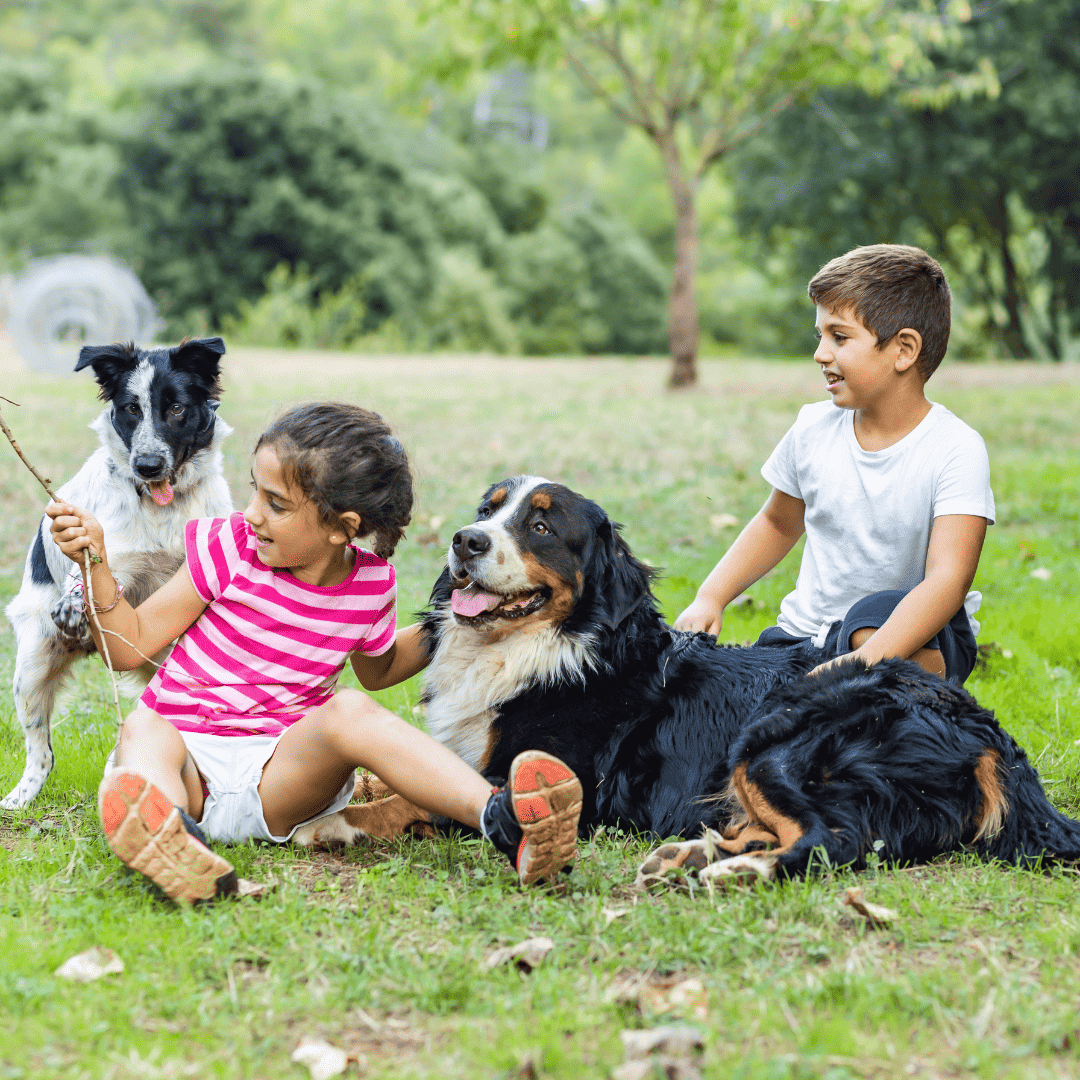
(857, 373)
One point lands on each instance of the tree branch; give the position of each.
(582, 71)
(722, 145)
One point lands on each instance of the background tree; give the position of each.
(989, 182)
(697, 77)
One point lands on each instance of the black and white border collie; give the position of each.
(544, 635)
(158, 465)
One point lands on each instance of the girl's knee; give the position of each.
(352, 713)
(144, 726)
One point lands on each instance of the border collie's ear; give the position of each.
(200, 357)
(623, 581)
(110, 363)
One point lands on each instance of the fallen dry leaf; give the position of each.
(687, 997)
(659, 994)
(90, 965)
(673, 1049)
(254, 889)
(321, 1059)
(875, 914)
(666, 1066)
(611, 914)
(526, 954)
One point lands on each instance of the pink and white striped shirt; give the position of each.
(268, 648)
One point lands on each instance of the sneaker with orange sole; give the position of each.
(533, 818)
(148, 833)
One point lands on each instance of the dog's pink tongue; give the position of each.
(161, 492)
(472, 601)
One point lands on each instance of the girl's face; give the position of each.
(289, 532)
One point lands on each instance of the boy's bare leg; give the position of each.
(315, 756)
(928, 659)
(150, 746)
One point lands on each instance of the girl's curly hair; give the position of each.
(346, 458)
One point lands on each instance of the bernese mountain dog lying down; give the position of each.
(544, 634)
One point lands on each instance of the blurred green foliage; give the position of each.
(990, 184)
(271, 163)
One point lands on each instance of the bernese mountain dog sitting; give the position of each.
(544, 635)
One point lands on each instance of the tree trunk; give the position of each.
(1012, 335)
(682, 305)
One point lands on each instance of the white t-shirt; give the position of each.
(869, 513)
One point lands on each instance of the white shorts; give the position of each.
(231, 768)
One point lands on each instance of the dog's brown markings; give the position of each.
(563, 594)
(500, 558)
(750, 836)
(369, 787)
(542, 501)
(485, 757)
(389, 817)
(765, 823)
(993, 806)
(498, 496)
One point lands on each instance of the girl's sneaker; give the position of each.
(152, 836)
(533, 818)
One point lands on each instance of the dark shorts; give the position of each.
(955, 641)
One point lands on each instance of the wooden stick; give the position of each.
(89, 559)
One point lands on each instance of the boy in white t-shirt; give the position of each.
(892, 490)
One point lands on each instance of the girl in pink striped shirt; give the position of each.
(240, 734)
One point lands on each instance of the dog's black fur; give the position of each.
(670, 732)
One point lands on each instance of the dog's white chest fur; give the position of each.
(469, 677)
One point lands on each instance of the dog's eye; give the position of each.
(541, 528)
(133, 409)
(483, 512)
(176, 409)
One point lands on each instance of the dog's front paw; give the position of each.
(70, 619)
(672, 862)
(740, 870)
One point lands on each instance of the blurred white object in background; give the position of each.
(57, 305)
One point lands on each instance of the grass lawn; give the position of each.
(380, 948)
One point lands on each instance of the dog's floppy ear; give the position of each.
(622, 581)
(110, 363)
(200, 357)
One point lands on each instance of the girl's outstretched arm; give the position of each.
(161, 618)
(407, 656)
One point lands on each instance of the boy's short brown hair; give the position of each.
(890, 287)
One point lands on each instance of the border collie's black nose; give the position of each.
(470, 542)
(149, 466)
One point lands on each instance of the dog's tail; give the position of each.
(1017, 823)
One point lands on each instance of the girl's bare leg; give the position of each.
(315, 756)
(150, 746)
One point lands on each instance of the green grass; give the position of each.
(380, 948)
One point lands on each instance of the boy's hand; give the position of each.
(822, 668)
(74, 529)
(702, 616)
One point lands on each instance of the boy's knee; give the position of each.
(930, 660)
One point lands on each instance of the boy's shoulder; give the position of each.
(939, 424)
(818, 413)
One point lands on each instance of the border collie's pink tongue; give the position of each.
(161, 492)
(472, 601)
